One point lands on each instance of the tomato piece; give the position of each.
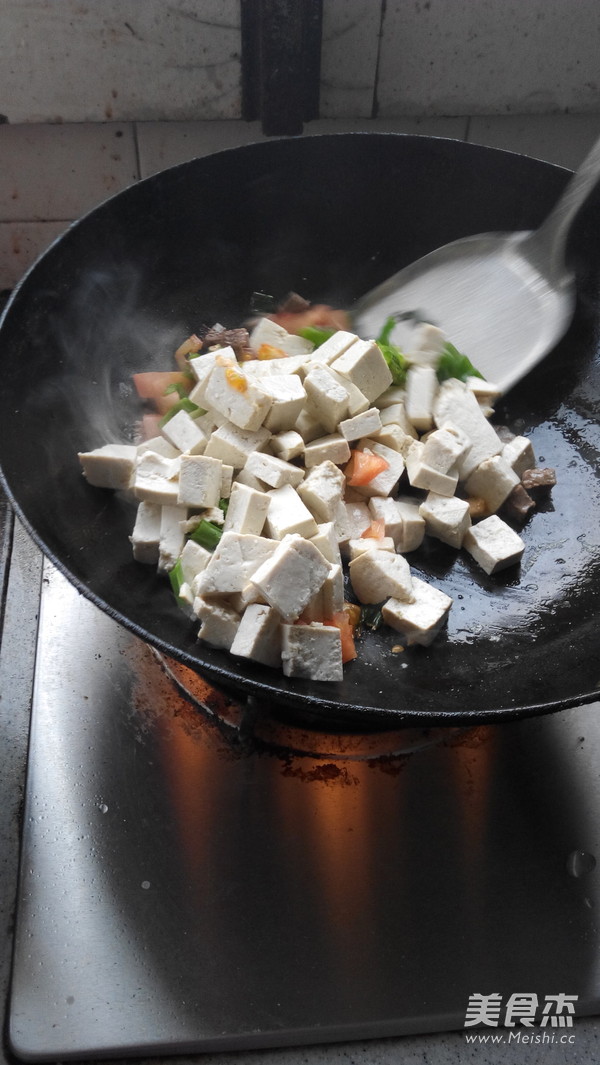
(152, 385)
(363, 467)
(342, 621)
(376, 530)
(319, 314)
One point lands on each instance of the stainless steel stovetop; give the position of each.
(191, 883)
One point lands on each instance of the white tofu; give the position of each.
(493, 480)
(226, 480)
(519, 454)
(286, 364)
(421, 475)
(361, 425)
(378, 574)
(421, 390)
(238, 398)
(247, 510)
(194, 559)
(233, 445)
(182, 432)
(329, 600)
(366, 367)
(391, 396)
(110, 466)
(395, 414)
(326, 541)
(330, 349)
(419, 621)
(442, 450)
(486, 392)
(358, 518)
(155, 479)
(203, 365)
(385, 482)
(259, 635)
(145, 538)
(291, 576)
(332, 448)
(219, 623)
(428, 339)
(322, 490)
(382, 508)
(367, 543)
(172, 536)
(446, 518)
(493, 544)
(394, 437)
(309, 427)
(245, 477)
(159, 446)
(327, 400)
(288, 399)
(273, 471)
(199, 481)
(357, 401)
(234, 561)
(288, 514)
(268, 332)
(456, 405)
(312, 652)
(413, 525)
(287, 445)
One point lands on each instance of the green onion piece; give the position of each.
(371, 616)
(454, 364)
(386, 332)
(224, 505)
(207, 534)
(181, 390)
(395, 360)
(315, 334)
(176, 578)
(184, 404)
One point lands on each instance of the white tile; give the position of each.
(60, 171)
(349, 48)
(489, 57)
(426, 126)
(164, 144)
(63, 60)
(20, 245)
(562, 139)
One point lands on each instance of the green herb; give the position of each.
(207, 534)
(371, 616)
(224, 505)
(454, 364)
(176, 578)
(386, 332)
(316, 334)
(184, 404)
(181, 390)
(393, 356)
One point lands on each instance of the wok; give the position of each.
(330, 217)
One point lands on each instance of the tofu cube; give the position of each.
(247, 510)
(421, 390)
(219, 623)
(376, 575)
(292, 575)
(519, 454)
(232, 445)
(194, 559)
(361, 425)
(238, 398)
(327, 400)
(268, 332)
(336, 345)
(413, 526)
(326, 541)
(199, 481)
(357, 402)
(160, 446)
(421, 620)
(155, 479)
(364, 364)
(493, 481)
(447, 518)
(332, 448)
(421, 475)
(442, 450)
(182, 432)
(382, 508)
(145, 538)
(385, 482)
(287, 445)
(172, 536)
(493, 544)
(457, 406)
(235, 559)
(288, 514)
(368, 543)
(203, 365)
(110, 466)
(312, 652)
(395, 414)
(258, 636)
(322, 490)
(226, 480)
(288, 399)
(273, 471)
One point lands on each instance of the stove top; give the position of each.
(199, 876)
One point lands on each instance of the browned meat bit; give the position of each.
(292, 304)
(519, 504)
(538, 482)
(238, 339)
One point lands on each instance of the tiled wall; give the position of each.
(127, 60)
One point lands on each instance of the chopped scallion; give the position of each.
(207, 534)
(452, 363)
(316, 334)
(184, 404)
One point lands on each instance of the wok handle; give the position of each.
(546, 246)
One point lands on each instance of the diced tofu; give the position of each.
(366, 367)
(287, 445)
(336, 345)
(329, 600)
(159, 446)
(394, 437)
(332, 448)
(519, 454)
(376, 575)
(391, 396)
(486, 392)
(361, 425)
(358, 517)
(367, 543)
(427, 339)
(493, 544)
(237, 397)
(456, 405)
(226, 480)
(233, 445)
(219, 623)
(194, 559)
(357, 401)
(385, 482)
(326, 541)
(327, 400)
(268, 332)
(382, 508)
(172, 536)
(493, 480)
(313, 652)
(322, 490)
(247, 478)
(259, 635)
(110, 466)
(288, 398)
(288, 514)
(413, 526)
(291, 576)
(442, 450)
(199, 481)
(145, 537)
(273, 471)
(182, 432)
(155, 479)
(446, 517)
(203, 365)
(286, 364)
(234, 561)
(419, 621)
(309, 427)
(247, 510)
(421, 475)
(421, 390)
(395, 414)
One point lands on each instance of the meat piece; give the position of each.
(238, 339)
(538, 482)
(519, 504)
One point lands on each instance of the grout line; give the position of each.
(136, 148)
(375, 103)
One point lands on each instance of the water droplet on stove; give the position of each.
(580, 863)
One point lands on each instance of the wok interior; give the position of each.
(329, 217)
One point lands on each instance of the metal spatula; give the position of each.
(504, 299)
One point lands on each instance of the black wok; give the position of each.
(330, 217)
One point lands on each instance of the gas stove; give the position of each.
(199, 875)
